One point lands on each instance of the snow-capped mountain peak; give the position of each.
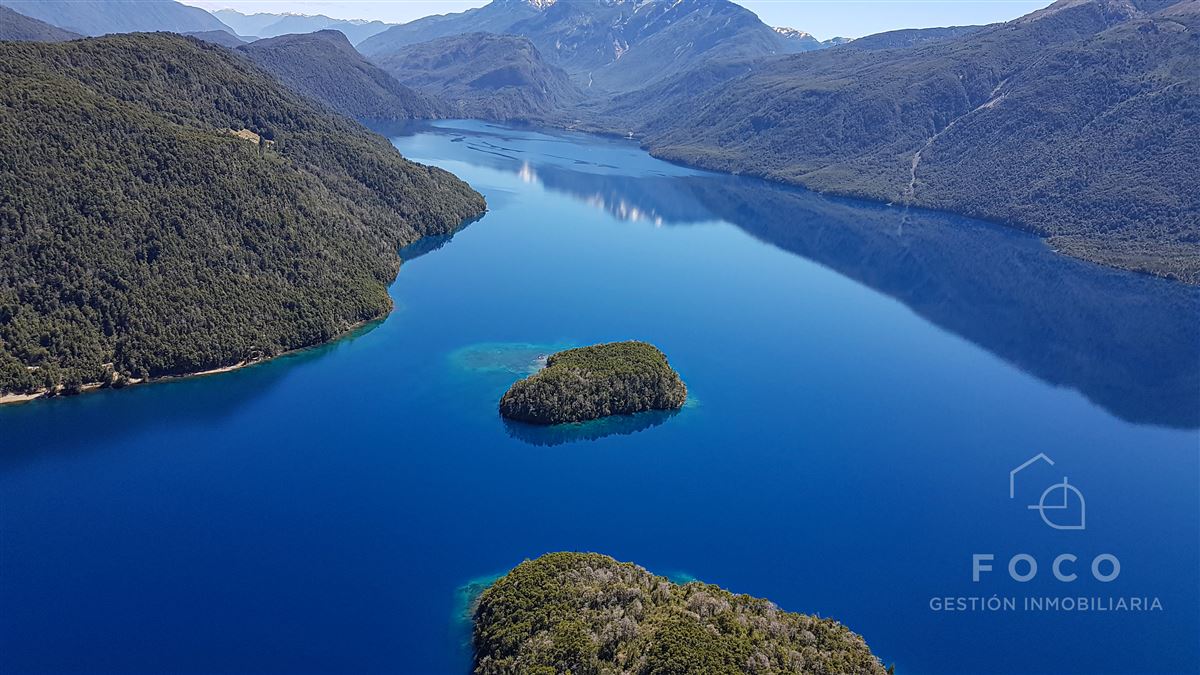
(791, 32)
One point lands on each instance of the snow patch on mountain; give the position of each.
(791, 33)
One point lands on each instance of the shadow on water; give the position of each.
(433, 242)
(71, 424)
(560, 434)
(1128, 342)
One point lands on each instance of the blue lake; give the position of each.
(863, 379)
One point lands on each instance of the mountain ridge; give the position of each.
(323, 65)
(265, 25)
(879, 123)
(498, 77)
(119, 16)
(609, 45)
(17, 26)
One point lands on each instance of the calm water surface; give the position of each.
(863, 380)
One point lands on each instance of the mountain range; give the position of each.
(1077, 122)
(265, 25)
(484, 75)
(324, 66)
(610, 45)
(101, 17)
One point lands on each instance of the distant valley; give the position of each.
(1045, 123)
(611, 46)
(484, 75)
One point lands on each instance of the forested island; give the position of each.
(586, 613)
(168, 208)
(617, 378)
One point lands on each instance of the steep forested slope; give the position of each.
(324, 66)
(1078, 122)
(16, 26)
(165, 207)
(99, 17)
(483, 75)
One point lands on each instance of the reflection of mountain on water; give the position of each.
(662, 200)
(424, 245)
(1129, 343)
(431, 243)
(562, 165)
(558, 434)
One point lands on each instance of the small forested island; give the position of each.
(586, 613)
(617, 378)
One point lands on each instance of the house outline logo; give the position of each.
(1049, 501)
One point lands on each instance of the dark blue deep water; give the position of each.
(863, 380)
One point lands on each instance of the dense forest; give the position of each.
(324, 66)
(587, 614)
(165, 208)
(587, 383)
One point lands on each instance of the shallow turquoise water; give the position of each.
(863, 379)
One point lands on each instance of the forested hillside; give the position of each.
(500, 77)
(165, 208)
(1077, 122)
(324, 66)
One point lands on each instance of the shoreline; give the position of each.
(14, 399)
(594, 128)
(89, 387)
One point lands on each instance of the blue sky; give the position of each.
(822, 18)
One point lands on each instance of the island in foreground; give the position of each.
(587, 613)
(617, 378)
